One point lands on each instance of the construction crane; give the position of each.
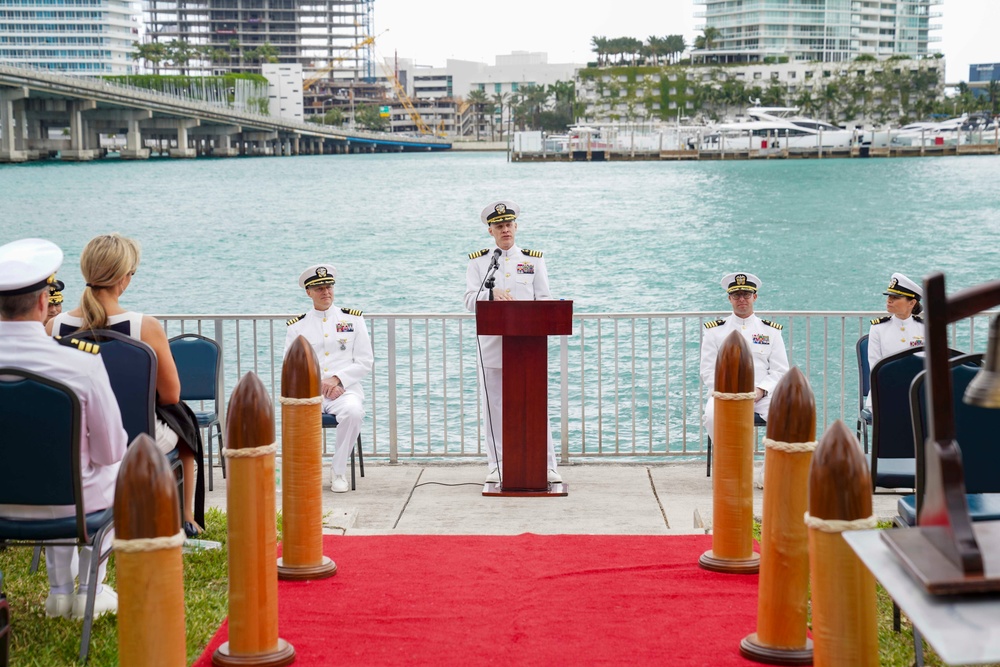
(321, 74)
(405, 100)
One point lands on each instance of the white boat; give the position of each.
(776, 128)
(961, 130)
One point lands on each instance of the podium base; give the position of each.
(752, 649)
(709, 561)
(327, 568)
(283, 655)
(553, 490)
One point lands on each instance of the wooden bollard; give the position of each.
(148, 541)
(732, 488)
(783, 589)
(253, 537)
(844, 622)
(302, 467)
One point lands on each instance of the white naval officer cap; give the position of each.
(900, 285)
(318, 274)
(500, 211)
(740, 282)
(28, 265)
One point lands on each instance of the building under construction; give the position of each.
(230, 35)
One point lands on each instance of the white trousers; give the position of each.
(759, 407)
(493, 421)
(63, 564)
(349, 410)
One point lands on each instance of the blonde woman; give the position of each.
(108, 263)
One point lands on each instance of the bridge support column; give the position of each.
(183, 150)
(12, 125)
(78, 135)
(133, 140)
(223, 147)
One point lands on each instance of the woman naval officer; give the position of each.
(900, 330)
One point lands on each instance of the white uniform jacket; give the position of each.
(522, 274)
(770, 362)
(340, 338)
(103, 439)
(890, 335)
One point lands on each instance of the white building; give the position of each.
(829, 31)
(284, 90)
(86, 37)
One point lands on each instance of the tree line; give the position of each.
(632, 51)
(179, 54)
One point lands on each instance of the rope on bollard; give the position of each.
(143, 544)
(315, 400)
(791, 447)
(839, 525)
(250, 452)
(725, 396)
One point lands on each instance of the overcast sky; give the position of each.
(431, 31)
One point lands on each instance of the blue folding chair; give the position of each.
(864, 386)
(893, 462)
(330, 421)
(199, 365)
(41, 422)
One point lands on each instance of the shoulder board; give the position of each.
(295, 319)
(882, 320)
(351, 311)
(918, 319)
(82, 345)
(478, 253)
(531, 253)
(711, 324)
(772, 324)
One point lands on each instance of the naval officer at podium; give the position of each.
(521, 276)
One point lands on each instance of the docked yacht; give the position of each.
(959, 131)
(775, 127)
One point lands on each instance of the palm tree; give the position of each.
(599, 45)
(500, 100)
(234, 48)
(478, 99)
(265, 53)
(179, 53)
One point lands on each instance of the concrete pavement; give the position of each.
(445, 498)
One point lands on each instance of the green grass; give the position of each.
(42, 642)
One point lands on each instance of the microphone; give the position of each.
(495, 262)
(490, 279)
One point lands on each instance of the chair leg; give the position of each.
(361, 456)
(895, 617)
(35, 560)
(96, 558)
(708, 473)
(222, 459)
(208, 432)
(353, 483)
(918, 648)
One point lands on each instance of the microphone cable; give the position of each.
(494, 262)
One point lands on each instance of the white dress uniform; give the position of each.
(889, 335)
(102, 437)
(770, 361)
(523, 275)
(340, 339)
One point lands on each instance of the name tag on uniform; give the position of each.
(526, 267)
(761, 339)
(345, 326)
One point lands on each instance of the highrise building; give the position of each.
(85, 37)
(316, 34)
(814, 30)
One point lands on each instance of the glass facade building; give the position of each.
(85, 37)
(815, 30)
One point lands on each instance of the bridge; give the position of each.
(33, 102)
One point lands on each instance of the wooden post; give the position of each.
(302, 467)
(783, 589)
(732, 486)
(253, 570)
(148, 555)
(844, 623)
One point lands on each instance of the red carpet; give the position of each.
(521, 600)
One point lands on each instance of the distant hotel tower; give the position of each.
(815, 30)
(316, 34)
(85, 37)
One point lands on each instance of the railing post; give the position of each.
(564, 399)
(393, 413)
(220, 381)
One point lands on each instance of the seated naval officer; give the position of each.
(763, 337)
(521, 276)
(55, 299)
(27, 269)
(901, 330)
(340, 338)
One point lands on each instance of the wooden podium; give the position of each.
(525, 326)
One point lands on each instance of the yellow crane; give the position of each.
(405, 100)
(321, 73)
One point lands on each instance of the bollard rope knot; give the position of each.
(840, 525)
(747, 395)
(143, 544)
(285, 400)
(250, 452)
(792, 447)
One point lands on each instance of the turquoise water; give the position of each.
(230, 236)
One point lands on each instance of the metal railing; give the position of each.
(623, 385)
